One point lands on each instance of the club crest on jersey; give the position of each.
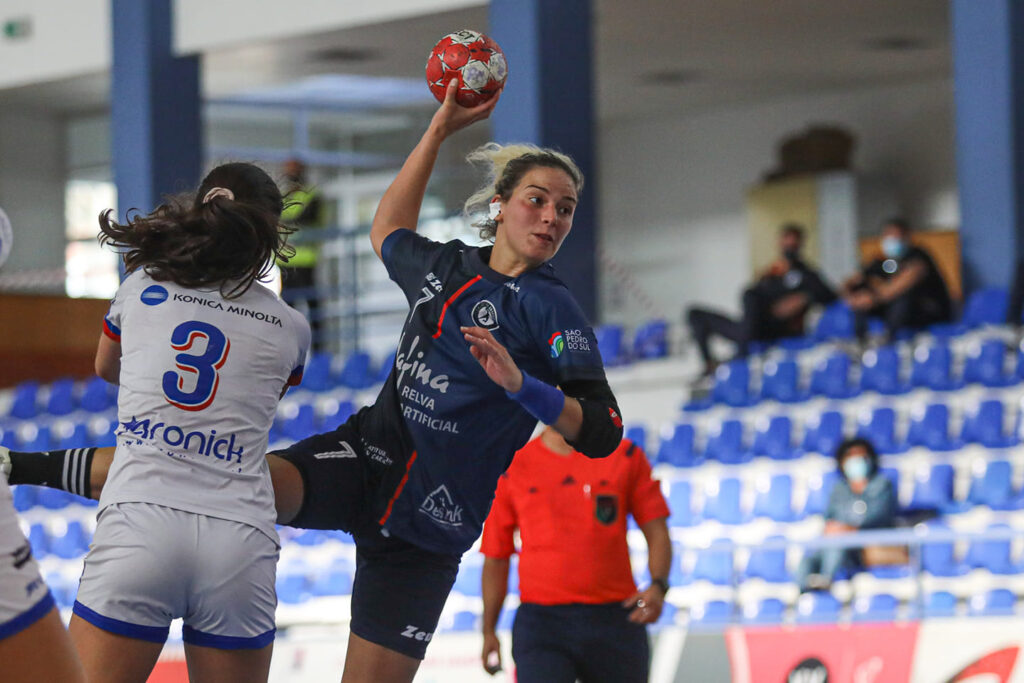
(485, 315)
(606, 508)
(557, 344)
(153, 295)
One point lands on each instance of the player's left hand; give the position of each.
(646, 605)
(493, 358)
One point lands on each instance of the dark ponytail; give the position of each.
(225, 242)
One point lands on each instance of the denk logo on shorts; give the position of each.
(441, 508)
(200, 443)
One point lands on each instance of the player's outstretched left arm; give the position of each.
(400, 205)
(586, 414)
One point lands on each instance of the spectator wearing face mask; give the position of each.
(862, 498)
(904, 288)
(773, 307)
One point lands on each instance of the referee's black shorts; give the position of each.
(399, 588)
(588, 643)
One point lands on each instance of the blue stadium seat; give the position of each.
(933, 368)
(292, 588)
(23, 406)
(317, 374)
(77, 436)
(930, 429)
(53, 499)
(985, 426)
(24, 497)
(468, 580)
(780, 381)
(894, 476)
(385, 368)
(637, 434)
(724, 505)
(39, 539)
(74, 543)
(358, 372)
(726, 443)
(993, 555)
(609, 343)
(63, 591)
(940, 604)
(986, 365)
(61, 399)
(879, 427)
(817, 496)
(651, 340)
(310, 537)
(880, 372)
(822, 434)
(103, 431)
(98, 395)
(934, 490)
(712, 613)
(831, 378)
(464, 620)
(994, 488)
(985, 307)
(774, 438)
(38, 439)
(301, 425)
(878, 608)
(938, 557)
(336, 417)
(680, 503)
(767, 611)
(715, 564)
(997, 602)
(768, 564)
(507, 618)
(817, 608)
(732, 384)
(836, 323)
(776, 501)
(668, 614)
(678, 450)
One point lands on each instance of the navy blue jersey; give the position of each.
(441, 431)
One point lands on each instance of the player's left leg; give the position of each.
(41, 651)
(112, 658)
(213, 665)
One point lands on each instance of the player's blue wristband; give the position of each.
(541, 400)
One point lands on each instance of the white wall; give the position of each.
(673, 221)
(68, 38)
(32, 188)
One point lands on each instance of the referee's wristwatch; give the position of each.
(660, 583)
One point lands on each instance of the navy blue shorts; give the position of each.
(399, 588)
(589, 643)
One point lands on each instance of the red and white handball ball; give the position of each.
(471, 57)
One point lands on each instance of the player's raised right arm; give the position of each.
(400, 205)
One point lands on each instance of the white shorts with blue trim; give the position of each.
(24, 597)
(149, 564)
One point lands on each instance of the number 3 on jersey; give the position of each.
(197, 369)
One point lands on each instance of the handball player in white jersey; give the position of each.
(202, 353)
(33, 643)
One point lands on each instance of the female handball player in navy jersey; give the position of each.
(202, 353)
(490, 333)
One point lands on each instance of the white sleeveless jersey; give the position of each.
(201, 377)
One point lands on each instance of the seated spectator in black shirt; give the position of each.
(904, 288)
(773, 307)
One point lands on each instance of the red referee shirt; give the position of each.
(571, 514)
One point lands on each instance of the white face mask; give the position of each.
(856, 468)
(893, 247)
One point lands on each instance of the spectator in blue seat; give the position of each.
(861, 498)
(904, 288)
(773, 307)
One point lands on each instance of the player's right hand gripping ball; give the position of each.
(471, 57)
